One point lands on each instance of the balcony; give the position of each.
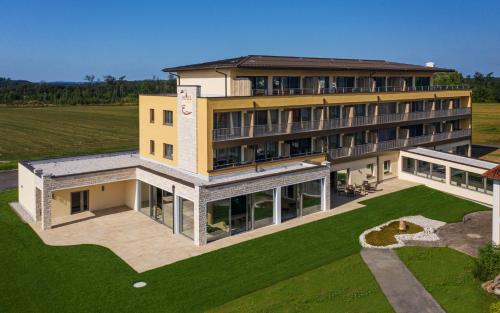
(224, 134)
(344, 90)
(359, 150)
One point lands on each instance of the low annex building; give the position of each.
(259, 140)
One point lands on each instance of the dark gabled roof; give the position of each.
(494, 173)
(305, 63)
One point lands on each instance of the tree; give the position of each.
(90, 78)
(448, 79)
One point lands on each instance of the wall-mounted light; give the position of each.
(102, 188)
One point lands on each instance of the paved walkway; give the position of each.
(402, 289)
(8, 179)
(469, 235)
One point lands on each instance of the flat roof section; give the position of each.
(70, 166)
(453, 158)
(305, 63)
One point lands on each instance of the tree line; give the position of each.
(485, 87)
(109, 90)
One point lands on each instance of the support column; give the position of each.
(137, 198)
(177, 214)
(46, 203)
(495, 229)
(277, 206)
(325, 193)
(199, 218)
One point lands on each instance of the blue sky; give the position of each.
(65, 40)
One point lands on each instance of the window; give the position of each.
(168, 117)
(151, 147)
(369, 169)
(387, 166)
(168, 151)
(408, 165)
(151, 115)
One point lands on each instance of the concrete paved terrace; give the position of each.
(145, 244)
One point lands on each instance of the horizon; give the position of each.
(138, 40)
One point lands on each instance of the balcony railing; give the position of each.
(359, 150)
(395, 144)
(341, 90)
(223, 134)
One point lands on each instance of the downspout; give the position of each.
(178, 77)
(225, 81)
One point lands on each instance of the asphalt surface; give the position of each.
(8, 179)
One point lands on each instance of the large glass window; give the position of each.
(422, 81)
(423, 168)
(187, 217)
(158, 204)
(489, 186)
(227, 119)
(345, 82)
(387, 108)
(476, 182)
(438, 172)
(387, 134)
(311, 196)
(218, 219)
(239, 214)
(458, 177)
(266, 151)
(300, 199)
(286, 83)
(259, 83)
(262, 205)
(408, 165)
(334, 112)
(227, 157)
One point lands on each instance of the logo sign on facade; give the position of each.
(187, 99)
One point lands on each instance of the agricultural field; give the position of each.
(486, 129)
(32, 133)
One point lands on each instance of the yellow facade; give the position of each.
(206, 106)
(100, 197)
(157, 130)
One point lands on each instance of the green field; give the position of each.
(31, 133)
(312, 267)
(486, 127)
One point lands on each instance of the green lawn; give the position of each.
(91, 278)
(30, 133)
(447, 275)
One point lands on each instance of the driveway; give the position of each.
(8, 179)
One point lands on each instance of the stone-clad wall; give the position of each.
(209, 194)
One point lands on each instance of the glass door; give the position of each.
(79, 201)
(239, 215)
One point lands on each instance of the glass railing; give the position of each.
(341, 90)
(223, 134)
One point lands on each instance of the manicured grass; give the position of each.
(385, 236)
(345, 285)
(90, 278)
(447, 275)
(31, 133)
(485, 123)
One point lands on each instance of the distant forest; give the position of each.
(112, 90)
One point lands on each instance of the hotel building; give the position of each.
(259, 140)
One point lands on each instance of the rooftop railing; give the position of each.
(223, 134)
(342, 90)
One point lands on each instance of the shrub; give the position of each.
(495, 307)
(487, 266)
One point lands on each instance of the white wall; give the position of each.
(27, 185)
(211, 82)
(444, 186)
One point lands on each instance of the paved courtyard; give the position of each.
(144, 244)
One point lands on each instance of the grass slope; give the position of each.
(59, 131)
(90, 278)
(485, 123)
(345, 285)
(447, 275)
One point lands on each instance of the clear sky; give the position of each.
(65, 40)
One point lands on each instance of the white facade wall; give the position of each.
(444, 186)
(211, 83)
(27, 184)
